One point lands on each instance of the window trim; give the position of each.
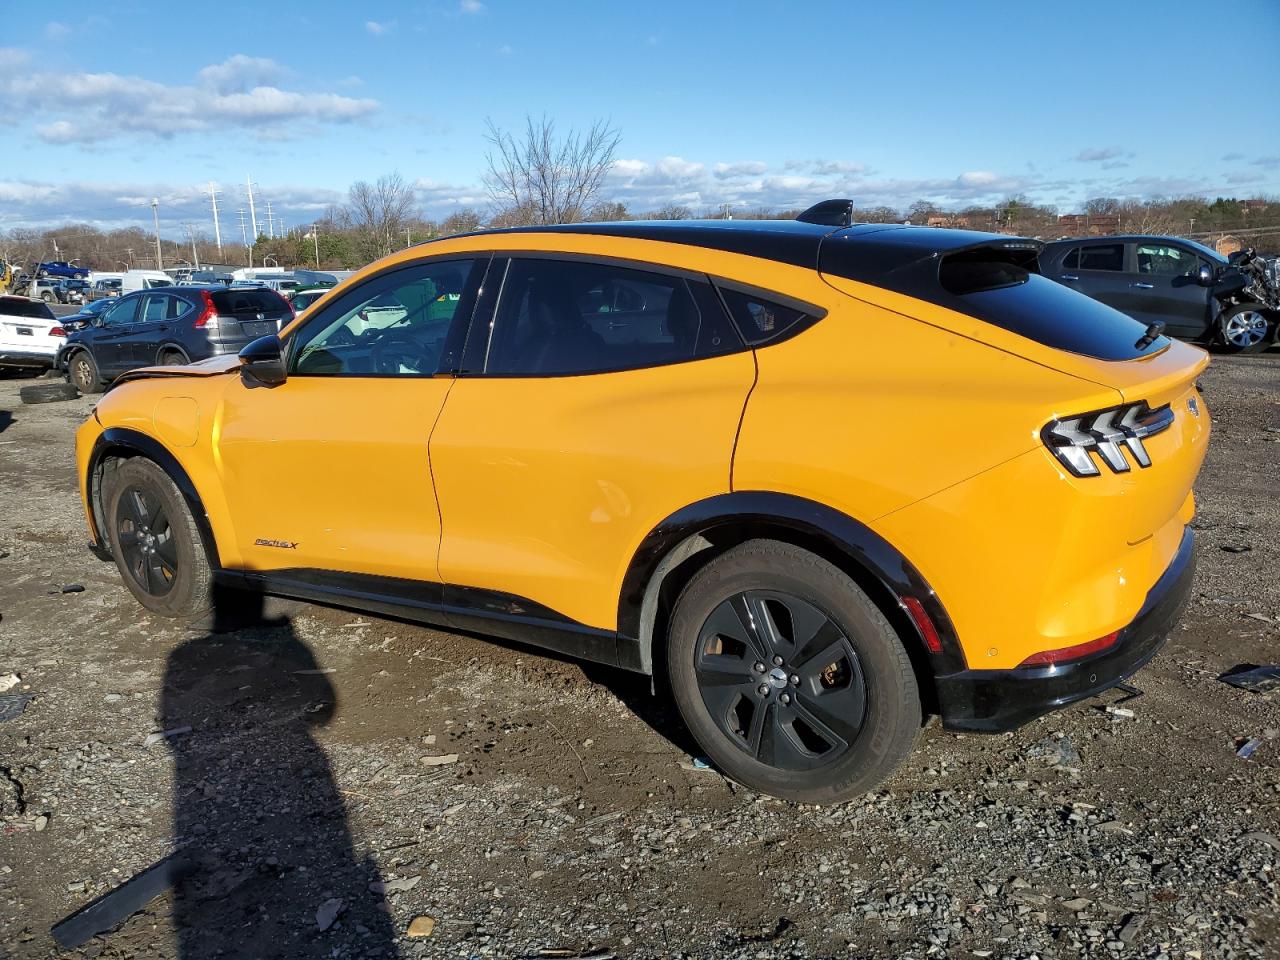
(358, 293)
(488, 312)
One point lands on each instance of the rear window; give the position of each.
(1011, 296)
(18, 307)
(250, 300)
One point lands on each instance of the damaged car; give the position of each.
(1190, 290)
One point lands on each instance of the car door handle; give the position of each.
(1143, 286)
(1068, 276)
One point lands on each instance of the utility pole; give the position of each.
(217, 229)
(271, 223)
(155, 216)
(253, 216)
(244, 235)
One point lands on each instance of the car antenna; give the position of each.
(1147, 339)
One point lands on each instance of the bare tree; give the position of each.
(608, 211)
(543, 178)
(461, 221)
(672, 211)
(379, 212)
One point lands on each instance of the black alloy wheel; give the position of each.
(789, 675)
(781, 680)
(146, 541)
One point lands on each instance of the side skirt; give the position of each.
(469, 609)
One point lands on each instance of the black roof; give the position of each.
(863, 251)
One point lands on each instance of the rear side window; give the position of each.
(762, 320)
(1102, 256)
(564, 317)
(249, 301)
(985, 285)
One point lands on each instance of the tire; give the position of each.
(48, 392)
(157, 546)
(42, 274)
(1244, 329)
(840, 711)
(173, 358)
(47, 297)
(82, 370)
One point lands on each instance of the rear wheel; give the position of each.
(789, 677)
(84, 372)
(157, 545)
(173, 358)
(1243, 329)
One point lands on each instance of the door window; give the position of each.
(1102, 256)
(393, 325)
(562, 317)
(1163, 260)
(122, 313)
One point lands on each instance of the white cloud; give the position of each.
(470, 6)
(239, 73)
(378, 29)
(237, 93)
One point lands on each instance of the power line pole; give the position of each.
(244, 235)
(217, 229)
(253, 216)
(271, 222)
(155, 216)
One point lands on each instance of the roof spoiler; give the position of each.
(829, 213)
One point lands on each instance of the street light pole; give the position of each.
(155, 216)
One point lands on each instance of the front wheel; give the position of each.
(84, 372)
(1243, 329)
(157, 546)
(789, 677)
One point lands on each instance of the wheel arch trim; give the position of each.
(136, 443)
(853, 543)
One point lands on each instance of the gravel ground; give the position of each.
(313, 787)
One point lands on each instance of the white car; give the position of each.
(30, 335)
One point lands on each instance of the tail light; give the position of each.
(1108, 433)
(1049, 658)
(210, 312)
(57, 332)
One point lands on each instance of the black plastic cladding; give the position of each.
(814, 521)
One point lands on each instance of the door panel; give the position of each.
(1097, 270)
(338, 468)
(1163, 287)
(111, 340)
(548, 485)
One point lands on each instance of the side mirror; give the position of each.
(1204, 276)
(262, 364)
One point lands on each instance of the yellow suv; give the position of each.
(824, 478)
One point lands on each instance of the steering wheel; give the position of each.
(394, 347)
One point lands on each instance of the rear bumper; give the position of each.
(993, 701)
(25, 358)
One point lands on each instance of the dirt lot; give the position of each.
(573, 817)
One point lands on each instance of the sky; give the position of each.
(749, 103)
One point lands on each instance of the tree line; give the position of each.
(540, 176)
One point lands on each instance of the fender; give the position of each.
(140, 444)
(847, 542)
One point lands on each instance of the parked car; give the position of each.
(72, 291)
(46, 290)
(60, 268)
(1197, 293)
(134, 280)
(104, 289)
(306, 297)
(30, 335)
(826, 478)
(168, 326)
